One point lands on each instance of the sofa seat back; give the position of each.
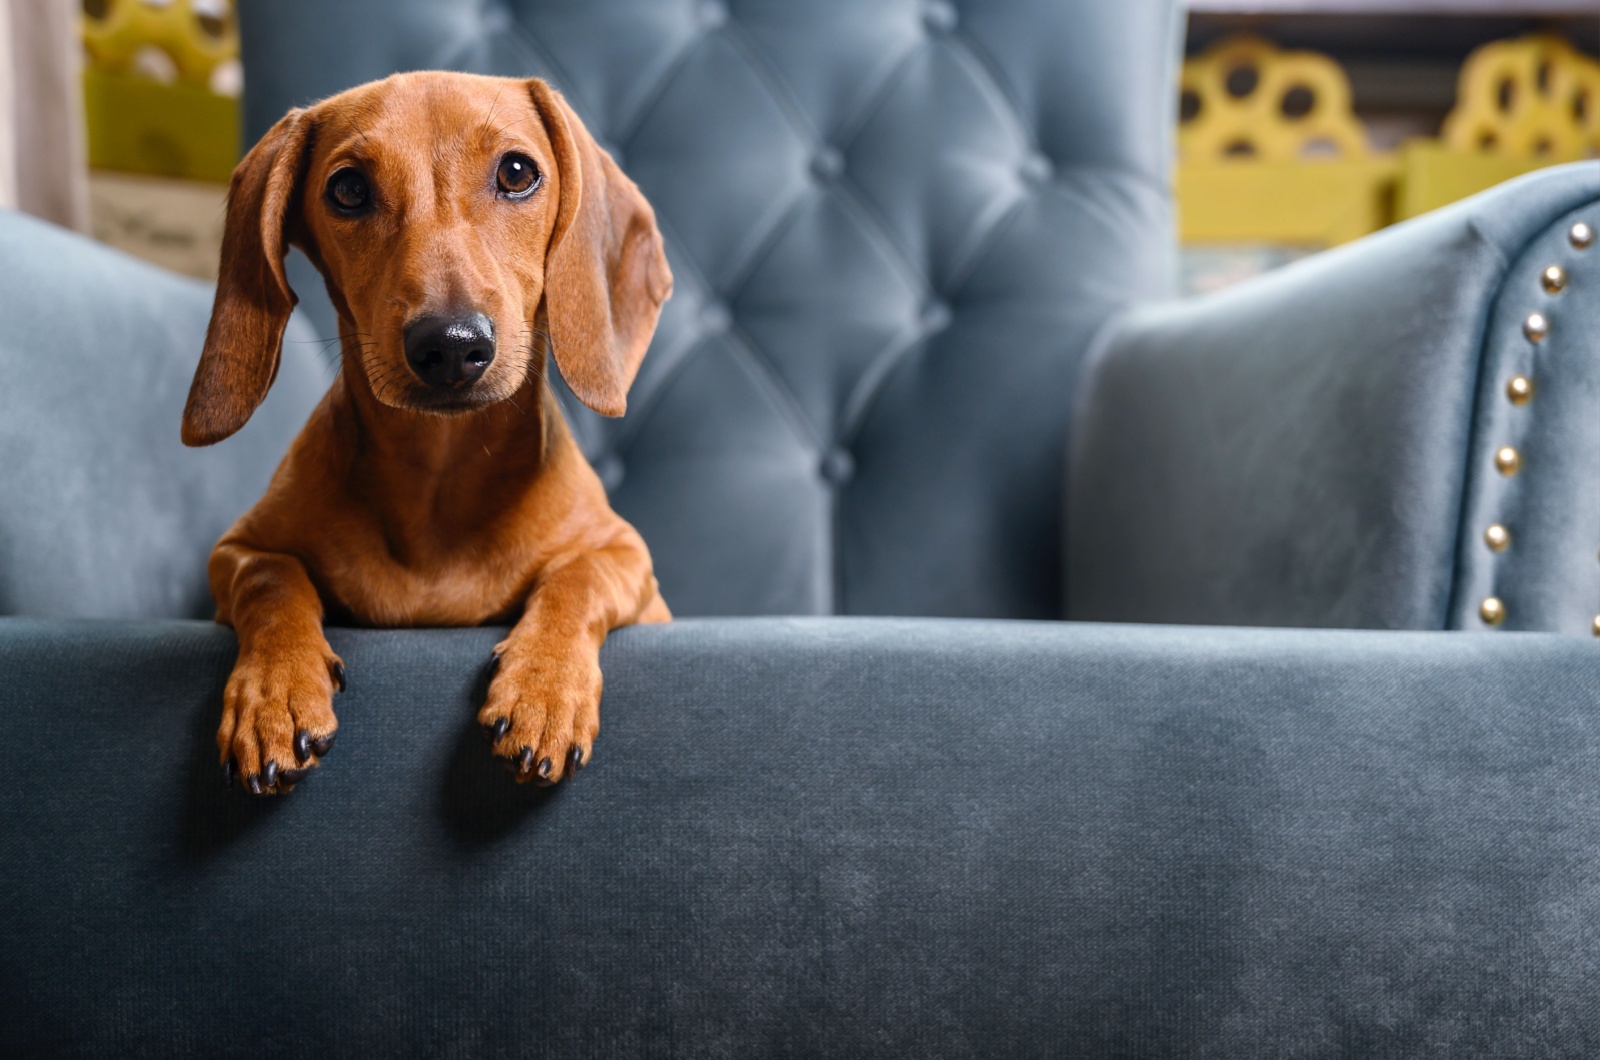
(895, 228)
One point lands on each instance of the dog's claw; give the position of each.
(269, 775)
(254, 784)
(525, 762)
(227, 773)
(302, 746)
(291, 777)
(323, 744)
(494, 664)
(499, 730)
(574, 761)
(338, 674)
(544, 767)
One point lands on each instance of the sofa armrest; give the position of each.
(814, 837)
(103, 512)
(1317, 447)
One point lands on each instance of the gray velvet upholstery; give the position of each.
(838, 836)
(1317, 448)
(895, 227)
(821, 838)
(103, 512)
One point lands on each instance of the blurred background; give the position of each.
(1301, 124)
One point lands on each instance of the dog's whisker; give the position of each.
(313, 342)
(508, 125)
(483, 132)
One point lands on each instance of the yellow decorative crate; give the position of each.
(1318, 204)
(1270, 152)
(141, 126)
(151, 87)
(1521, 105)
(1434, 174)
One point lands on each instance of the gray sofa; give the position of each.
(921, 364)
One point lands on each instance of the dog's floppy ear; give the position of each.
(245, 337)
(605, 273)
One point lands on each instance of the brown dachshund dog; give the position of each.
(465, 226)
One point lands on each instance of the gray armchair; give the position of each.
(920, 364)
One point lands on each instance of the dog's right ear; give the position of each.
(606, 271)
(245, 338)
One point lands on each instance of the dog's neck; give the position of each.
(424, 469)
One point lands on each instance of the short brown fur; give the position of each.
(392, 507)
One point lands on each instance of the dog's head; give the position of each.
(460, 221)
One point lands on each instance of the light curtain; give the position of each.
(43, 156)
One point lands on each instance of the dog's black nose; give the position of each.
(450, 349)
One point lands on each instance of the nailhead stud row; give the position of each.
(1519, 391)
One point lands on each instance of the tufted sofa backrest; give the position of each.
(896, 227)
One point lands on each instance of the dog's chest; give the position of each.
(372, 584)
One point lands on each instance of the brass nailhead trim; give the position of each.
(1492, 611)
(1519, 391)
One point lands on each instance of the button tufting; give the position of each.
(496, 18)
(1519, 390)
(828, 164)
(935, 317)
(1497, 537)
(712, 14)
(609, 468)
(714, 317)
(807, 302)
(1037, 168)
(1553, 279)
(1507, 460)
(940, 16)
(1581, 235)
(838, 466)
(1594, 627)
(1536, 327)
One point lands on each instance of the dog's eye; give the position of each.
(517, 175)
(349, 191)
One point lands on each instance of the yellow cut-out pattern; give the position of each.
(1533, 97)
(191, 38)
(1244, 98)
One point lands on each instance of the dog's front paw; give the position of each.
(277, 719)
(543, 709)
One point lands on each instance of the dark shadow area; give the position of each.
(479, 799)
(214, 817)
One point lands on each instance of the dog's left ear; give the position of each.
(253, 301)
(605, 273)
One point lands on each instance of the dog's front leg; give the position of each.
(543, 709)
(277, 710)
